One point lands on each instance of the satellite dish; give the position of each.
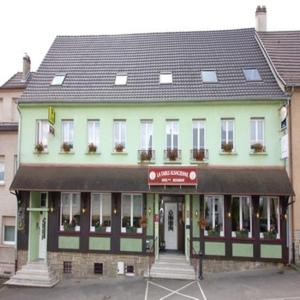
(283, 113)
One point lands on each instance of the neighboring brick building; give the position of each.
(9, 93)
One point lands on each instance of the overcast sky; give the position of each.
(31, 25)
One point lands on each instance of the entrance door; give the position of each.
(42, 235)
(171, 230)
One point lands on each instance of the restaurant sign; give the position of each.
(172, 176)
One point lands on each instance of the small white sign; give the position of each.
(284, 146)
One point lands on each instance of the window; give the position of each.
(165, 78)
(119, 134)
(241, 217)
(100, 212)
(269, 217)
(68, 132)
(67, 267)
(121, 79)
(98, 268)
(2, 169)
(214, 215)
(58, 79)
(70, 212)
(252, 74)
(132, 211)
(93, 132)
(209, 76)
(8, 224)
(257, 127)
(198, 134)
(227, 135)
(42, 130)
(172, 132)
(146, 134)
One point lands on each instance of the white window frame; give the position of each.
(198, 123)
(39, 133)
(77, 227)
(233, 233)
(92, 228)
(3, 231)
(174, 132)
(123, 229)
(119, 138)
(256, 121)
(70, 137)
(227, 120)
(2, 162)
(95, 139)
(58, 79)
(213, 197)
(166, 78)
(269, 215)
(147, 125)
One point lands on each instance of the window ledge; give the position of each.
(119, 153)
(2, 183)
(146, 162)
(258, 153)
(92, 153)
(199, 162)
(228, 153)
(67, 153)
(173, 162)
(40, 153)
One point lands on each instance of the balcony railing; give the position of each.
(172, 155)
(198, 155)
(146, 155)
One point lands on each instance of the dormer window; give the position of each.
(165, 78)
(252, 74)
(209, 76)
(121, 79)
(58, 79)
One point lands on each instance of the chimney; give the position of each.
(26, 67)
(261, 18)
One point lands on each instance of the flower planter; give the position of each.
(39, 147)
(213, 232)
(92, 148)
(146, 155)
(227, 147)
(172, 154)
(100, 229)
(242, 234)
(119, 148)
(198, 155)
(257, 148)
(67, 147)
(270, 235)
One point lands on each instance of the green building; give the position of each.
(144, 147)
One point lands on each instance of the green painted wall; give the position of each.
(34, 235)
(68, 242)
(212, 112)
(99, 243)
(196, 247)
(242, 250)
(196, 215)
(215, 248)
(270, 251)
(150, 205)
(134, 245)
(34, 200)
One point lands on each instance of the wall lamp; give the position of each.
(149, 211)
(83, 210)
(115, 211)
(196, 213)
(229, 214)
(257, 215)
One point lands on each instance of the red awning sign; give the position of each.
(172, 176)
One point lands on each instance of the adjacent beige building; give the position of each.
(282, 50)
(9, 93)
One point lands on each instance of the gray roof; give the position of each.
(283, 48)
(16, 82)
(92, 62)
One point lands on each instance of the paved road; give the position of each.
(263, 284)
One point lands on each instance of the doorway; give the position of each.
(42, 236)
(171, 227)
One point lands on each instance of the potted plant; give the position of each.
(69, 226)
(258, 147)
(213, 232)
(39, 147)
(172, 154)
(143, 221)
(198, 154)
(119, 147)
(92, 148)
(227, 147)
(242, 233)
(271, 234)
(146, 155)
(67, 147)
(131, 229)
(202, 223)
(99, 227)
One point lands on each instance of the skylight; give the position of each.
(165, 78)
(252, 74)
(209, 76)
(58, 79)
(121, 79)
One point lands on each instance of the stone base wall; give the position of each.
(297, 246)
(22, 257)
(7, 261)
(83, 263)
(217, 265)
